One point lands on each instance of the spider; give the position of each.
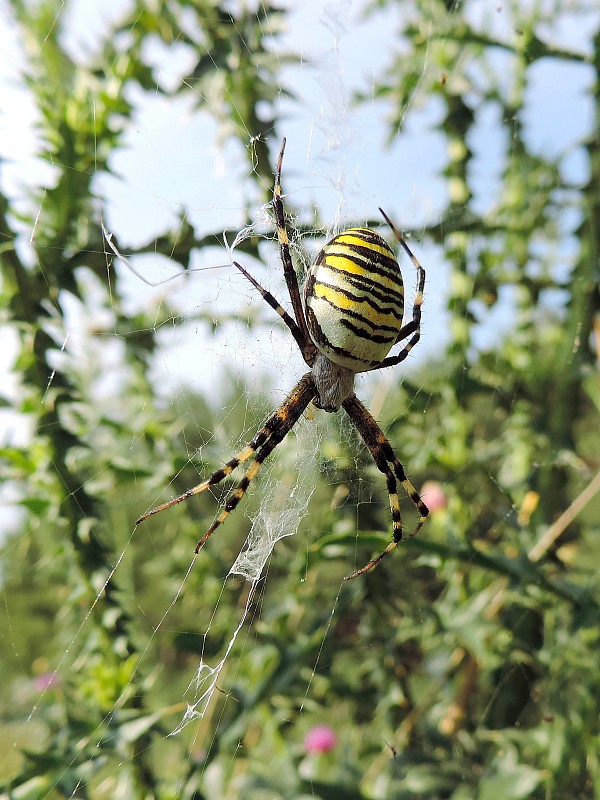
(350, 319)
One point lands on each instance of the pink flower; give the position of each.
(319, 739)
(47, 680)
(434, 496)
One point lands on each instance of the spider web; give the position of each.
(283, 506)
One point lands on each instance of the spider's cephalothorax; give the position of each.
(351, 318)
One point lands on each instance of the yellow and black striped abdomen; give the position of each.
(354, 299)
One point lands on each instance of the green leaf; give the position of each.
(509, 780)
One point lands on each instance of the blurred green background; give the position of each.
(466, 665)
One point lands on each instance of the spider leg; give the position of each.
(277, 427)
(273, 431)
(308, 349)
(215, 478)
(384, 457)
(414, 326)
(276, 306)
(391, 361)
